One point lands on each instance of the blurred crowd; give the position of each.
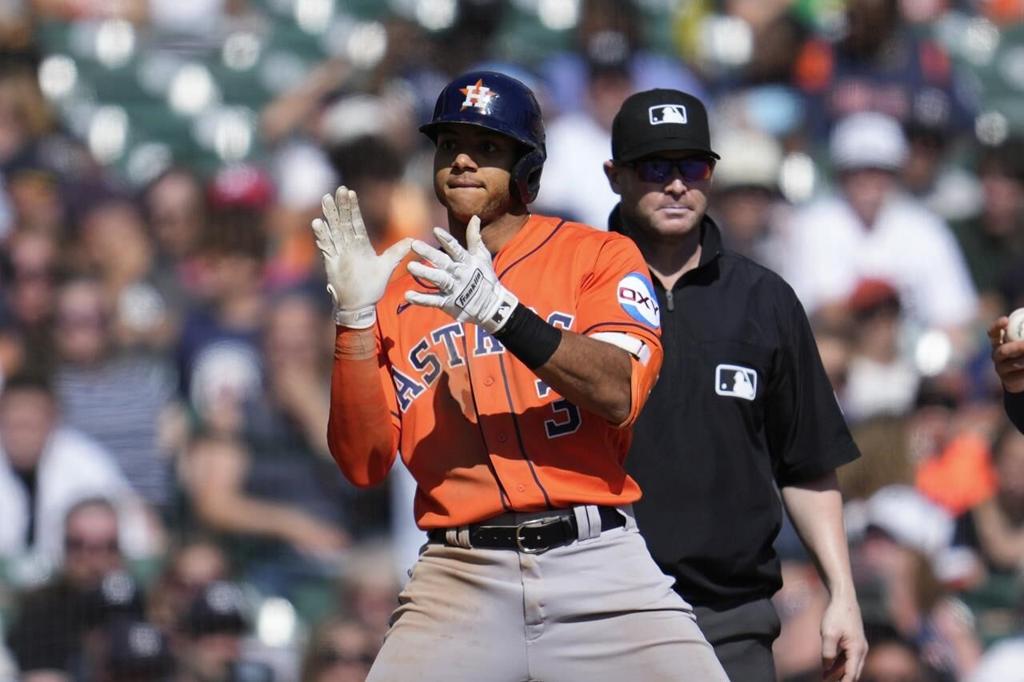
(168, 506)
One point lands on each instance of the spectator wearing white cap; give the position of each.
(869, 228)
(746, 200)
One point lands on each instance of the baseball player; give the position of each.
(743, 408)
(507, 366)
(1008, 359)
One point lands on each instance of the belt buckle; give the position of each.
(536, 523)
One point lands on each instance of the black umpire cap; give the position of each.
(660, 121)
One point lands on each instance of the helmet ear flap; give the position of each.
(526, 175)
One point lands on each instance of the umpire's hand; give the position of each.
(843, 645)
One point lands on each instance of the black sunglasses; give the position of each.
(693, 169)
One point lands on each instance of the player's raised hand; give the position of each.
(469, 289)
(356, 275)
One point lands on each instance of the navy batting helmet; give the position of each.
(500, 103)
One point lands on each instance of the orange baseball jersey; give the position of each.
(479, 431)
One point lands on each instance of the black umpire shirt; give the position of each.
(742, 406)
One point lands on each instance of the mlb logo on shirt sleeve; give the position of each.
(667, 113)
(736, 381)
(636, 296)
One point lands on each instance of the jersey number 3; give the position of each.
(567, 416)
(567, 419)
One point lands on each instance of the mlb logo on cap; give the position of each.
(736, 381)
(667, 113)
(639, 128)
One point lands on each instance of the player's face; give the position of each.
(664, 193)
(472, 169)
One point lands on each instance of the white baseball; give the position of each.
(1015, 330)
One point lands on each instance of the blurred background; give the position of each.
(168, 507)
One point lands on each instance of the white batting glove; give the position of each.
(469, 289)
(356, 275)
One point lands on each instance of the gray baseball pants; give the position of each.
(596, 610)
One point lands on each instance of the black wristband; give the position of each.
(528, 337)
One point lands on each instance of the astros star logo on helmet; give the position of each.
(478, 96)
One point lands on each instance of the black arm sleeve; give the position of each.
(1014, 404)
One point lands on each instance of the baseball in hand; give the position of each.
(1015, 330)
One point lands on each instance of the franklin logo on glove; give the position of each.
(482, 299)
(471, 288)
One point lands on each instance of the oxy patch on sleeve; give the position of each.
(636, 296)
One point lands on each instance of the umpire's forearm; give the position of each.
(816, 508)
(359, 431)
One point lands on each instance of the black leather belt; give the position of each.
(534, 536)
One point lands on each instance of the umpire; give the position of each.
(742, 411)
